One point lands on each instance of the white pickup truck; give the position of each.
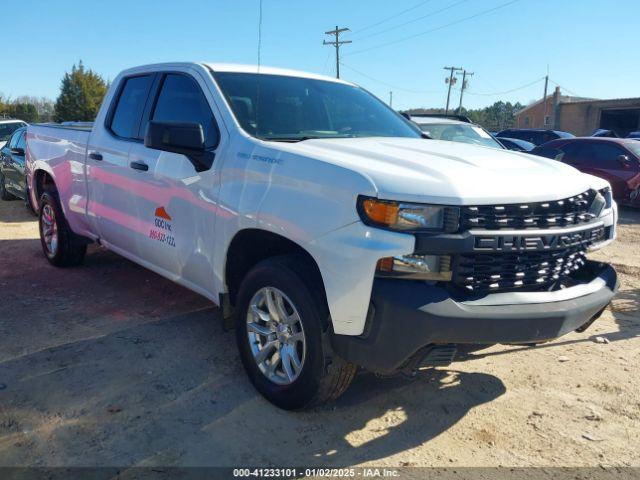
(337, 235)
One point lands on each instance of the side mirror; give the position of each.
(624, 160)
(17, 151)
(184, 138)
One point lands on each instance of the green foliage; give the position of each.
(81, 94)
(495, 117)
(24, 111)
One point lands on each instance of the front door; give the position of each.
(18, 182)
(604, 160)
(179, 205)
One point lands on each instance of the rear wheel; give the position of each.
(282, 338)
(60, 245)
(4, 194)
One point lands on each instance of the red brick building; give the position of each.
(581, 116)
(545, 113)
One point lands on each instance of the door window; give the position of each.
(574, 153)
(127, 113)
(13, 143)
(181, 101)
(22, 141)
(603, 155)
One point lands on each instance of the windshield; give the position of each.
(634, 147)
(6, 129)
(460, 132)
(276, 107)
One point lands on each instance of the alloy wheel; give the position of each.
(49, 227)
(276, 336)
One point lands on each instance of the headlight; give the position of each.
(608, 197)
(408, 217)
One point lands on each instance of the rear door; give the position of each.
(112, 185)
(179, 205)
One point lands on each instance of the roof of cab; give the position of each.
(239, 68)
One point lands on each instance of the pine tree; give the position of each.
(81, 94)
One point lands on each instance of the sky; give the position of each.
(400, 46)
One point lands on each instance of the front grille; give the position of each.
(499, 271)
(558, 213)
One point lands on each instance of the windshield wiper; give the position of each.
(287, 139)
(303, 138)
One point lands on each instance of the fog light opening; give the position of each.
(416, 267)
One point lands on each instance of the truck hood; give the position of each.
(447, 172)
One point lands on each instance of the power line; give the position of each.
(456, 22)
(392, 17)
(337, 43)
(495, 94)
(374, 34)
(564, 88)
(326, 61)
(395, 87)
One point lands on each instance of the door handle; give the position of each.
(95, 156)
(139, 166)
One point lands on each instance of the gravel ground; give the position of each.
(108, 364)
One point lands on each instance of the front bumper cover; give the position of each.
(407, 315)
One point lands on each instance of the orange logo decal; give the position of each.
(162, 213)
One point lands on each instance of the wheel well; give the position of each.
(250, 247)
(43, 181)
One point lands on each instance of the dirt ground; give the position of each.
(108, 364)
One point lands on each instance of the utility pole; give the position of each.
(544, 98)
(465, 74)
(451, 80)
(391, 99)
(336, 43)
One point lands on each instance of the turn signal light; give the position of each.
(385, 213)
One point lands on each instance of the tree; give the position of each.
(81, 94)
(24, 111)
(495, 117)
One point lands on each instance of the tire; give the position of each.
(322, 376)
(4, 194)
(60, 245)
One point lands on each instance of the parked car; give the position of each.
(516, 144)
(616, 160)
(12, 174)
(634, 135)
(320, 220)
(536, 136)
(7, 127)
(455, 129)
(603, 132)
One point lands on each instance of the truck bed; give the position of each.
(61, 150)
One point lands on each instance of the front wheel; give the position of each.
(282, 337)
